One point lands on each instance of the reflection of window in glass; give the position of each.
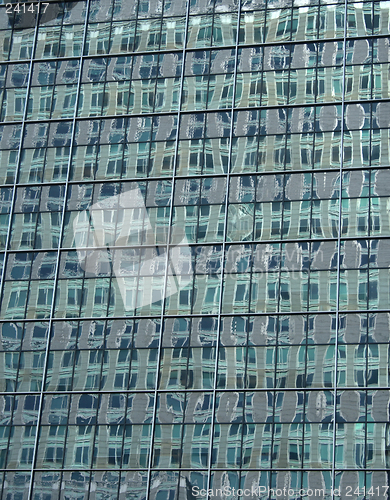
(242, 293)
(283, 30)
(122, 37)
(167, 94)
(101, 295)
(57, 167)
(27, 449)
(295, 444)
(45, 296)
(28, 230)
(252, 27)
(276, 221)
(74, 296)
(377, 209)
(13, 104)
(17, 298)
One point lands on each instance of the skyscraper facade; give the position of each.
(195, 249)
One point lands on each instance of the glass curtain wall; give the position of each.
(194, 249)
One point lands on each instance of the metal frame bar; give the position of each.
(340, 220)
(55, 281)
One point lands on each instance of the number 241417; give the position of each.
(23, 8)
(378, 490)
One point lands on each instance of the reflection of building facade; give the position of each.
(260, 132)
